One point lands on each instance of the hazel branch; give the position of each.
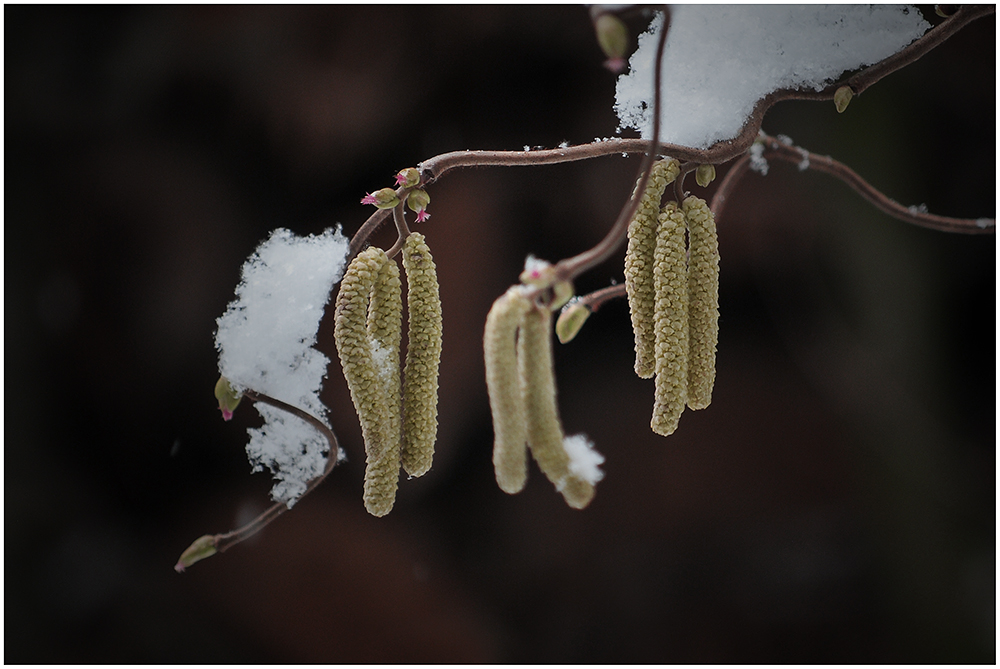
(209, 545)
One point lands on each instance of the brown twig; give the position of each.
(728, 183)
(594, 300)
(774, 148)
(225, 541)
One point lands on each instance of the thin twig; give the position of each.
(399, 217)
(728, 183)
(229, 539)
(594, 300)
(774, 148)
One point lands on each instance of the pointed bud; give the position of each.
(202, 548)
(229, 398)
(409, 177)
(561, 292)
(571, 321)
(705, 175)
(612, 36)
(842, 98)
(383, 199)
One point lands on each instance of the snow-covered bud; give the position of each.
(703, 301)
(417, 202)
(229, 398)
(409, 177)
(537, 272)
(670, 274)
(639, 265)
(842, 98)
(612, 36)
(571, 321)
(383, 199)
(202, 548)
(502, 381)
(423, 356)
(704, 175)
(561, 292)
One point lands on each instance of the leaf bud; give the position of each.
(612, 36)
(229, 398)
(842, 98)
(571, 321)
(202, 548)
(705, 175)
(561, 292)
(418, 200)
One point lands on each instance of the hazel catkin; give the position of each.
(703, 301)
(545, 433)
(639, 265)
(366, 331)
(671, 278)
(423, 356)
(502, 381)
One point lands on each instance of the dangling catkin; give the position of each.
(703, 301)
(384, 331)
(502, 381)
(365, 340)
(538, 387)
(423, 356)
(639, 265)
(671, 278)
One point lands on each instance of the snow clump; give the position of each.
(265, 341)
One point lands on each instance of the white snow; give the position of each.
(265, 341)
(720, 59)
(584, 460)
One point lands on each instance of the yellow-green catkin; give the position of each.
(423, 356)
(385, 331)
(639, 265)
(670, 275)
(362, 335)
(538, 387)
(510, 433)
(703, 301)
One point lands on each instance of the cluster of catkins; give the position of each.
(673, 296)
(398, 416)
(522, 389)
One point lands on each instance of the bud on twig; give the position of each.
(705, 175)
(842, 97)
(202, 548)
(612, 36)
(383, 199)
(228, 397)
(571, 321)
(409, 177)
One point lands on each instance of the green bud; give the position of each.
(418, 200)
(842, 98)
(705, 175)
(561, 291)
(612, 35)
(409, 177)
(385, 198)
(229, 398)
(202, 548)
(571, 320)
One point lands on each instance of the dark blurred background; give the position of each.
(836, 503)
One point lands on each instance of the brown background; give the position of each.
(834, 504)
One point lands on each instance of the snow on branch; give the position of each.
(265, 341)
(721, 59)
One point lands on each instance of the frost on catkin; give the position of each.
(538, 387)
(367, 332)
(671, 278)
(639, 265)
(423, 356)
(506, 401)
(703, 301)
